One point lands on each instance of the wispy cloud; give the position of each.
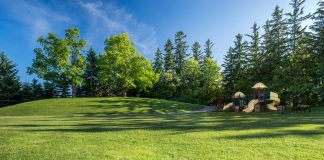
(97, 20)
(107, 18)
(38, 18)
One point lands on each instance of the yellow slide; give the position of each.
(228, 106)
(251, 105)
(275, 101)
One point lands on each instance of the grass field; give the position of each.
(135, 128)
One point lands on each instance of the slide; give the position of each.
(251, 105)
(275, 101)
(228, 106)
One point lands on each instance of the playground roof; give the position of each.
(239, 94)
(259, 86)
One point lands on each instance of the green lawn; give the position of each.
(135, 128)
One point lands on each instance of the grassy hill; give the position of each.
(94, 106)
(124, 128)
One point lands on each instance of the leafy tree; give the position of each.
(169, 82)
(190, 81)
(9, 81)
(121, 68)
(158, 62)
(91, 84)
(60, 60)
(212, 80)
(196, 53)
(208, 49)
(77, 60)
(168, 57)
(180, 51)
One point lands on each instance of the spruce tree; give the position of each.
(168, 57)
(9, 81)
(253, 55)
(318, 47)
(180, 51)
(208, 49)
(158, 61)
(91, 83)
(295, 18)
(196, 53)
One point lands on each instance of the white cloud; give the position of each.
(107, 18)
(96, 19)
(38, 18)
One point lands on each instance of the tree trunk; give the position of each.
(74, 90)
(125, 93)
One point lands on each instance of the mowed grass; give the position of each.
(128, 128)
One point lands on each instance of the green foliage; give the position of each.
(158, 62)
(121, 68)
(208, 49)
(180, 54)
(169, 57)
(60, 61)
(196, 53)
(9, 81)
(91, 81)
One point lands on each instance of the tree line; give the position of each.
(286, 56)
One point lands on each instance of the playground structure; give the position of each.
(260, 100)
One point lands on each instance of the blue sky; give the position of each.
(149, 22)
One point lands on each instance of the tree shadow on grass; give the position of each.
(271, 125)
(138, 106)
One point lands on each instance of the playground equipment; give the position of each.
(261, 99)
(237, 102)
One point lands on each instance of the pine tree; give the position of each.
(295, 18)
(158, 61)
(180, 51)
(240, 63)
(228, 71)
(168, 57)
(91, 83)
(50, 90)
(318, 46)
(253, 55)
(9, 81)
(196, 53)
(208, 49)
(37, 90)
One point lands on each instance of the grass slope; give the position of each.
(155, 136)
(94, 106)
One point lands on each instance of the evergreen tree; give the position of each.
(26, 92)
(168, 57)
(50, 90)
(295, 18)
(208, 49)
(196, 53)
(91, 83)
(180, 51)
(9, 81)
(253, 56)
(37, 90)
(318, 48)
(229, 71)
(158, 62)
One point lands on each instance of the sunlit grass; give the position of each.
(151, 135)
